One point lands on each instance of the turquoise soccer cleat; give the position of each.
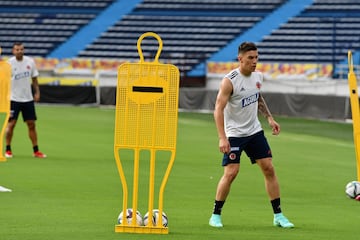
(215, 221)
(281, 221)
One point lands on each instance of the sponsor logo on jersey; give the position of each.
(22, 75)
(249, 100)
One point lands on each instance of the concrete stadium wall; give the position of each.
(283, 104)
(200, 99)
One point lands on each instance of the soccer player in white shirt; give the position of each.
(236, 117)
(23, 79)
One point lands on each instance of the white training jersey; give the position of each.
(241, 111)
(21, 77)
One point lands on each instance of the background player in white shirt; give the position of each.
(23, 81)
(236, 116)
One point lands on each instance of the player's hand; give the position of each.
(274, 126)
(224, 145)
(37, 97)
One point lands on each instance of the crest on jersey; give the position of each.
(258, 85)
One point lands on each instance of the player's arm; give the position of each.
(35, 85)
(264, 110)
(220, 104)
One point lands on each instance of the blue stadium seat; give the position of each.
(191, 30)
(323, 33)
(42, 25)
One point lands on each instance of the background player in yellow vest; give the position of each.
(3, 189)
(236, 116)
(23, 78)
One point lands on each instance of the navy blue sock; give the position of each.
(275, 203)
(36, 148)
(218, 206)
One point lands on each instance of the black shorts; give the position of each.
(255, 147)
(27, 110)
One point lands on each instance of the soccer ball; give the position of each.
(352, 190)
(155, 218)
(129, 215)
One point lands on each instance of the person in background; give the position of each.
(236, 117)
(23, 83)
(3, 189)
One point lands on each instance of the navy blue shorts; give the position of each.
(27, 110)
(255, 147)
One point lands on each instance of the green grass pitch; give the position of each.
(76, 192)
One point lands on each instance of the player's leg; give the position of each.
(32, 131)
(9, 132)
(231, 164)
(223, 187)
(259, 152)
(222, 191)
(29, 116)
(273, 189)
(271, 181)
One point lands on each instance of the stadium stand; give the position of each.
(94, 29)
(323, 33)
(91, 38)
(272, 21)
(42, 25)
(191, 30)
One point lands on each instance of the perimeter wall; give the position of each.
(292, 90)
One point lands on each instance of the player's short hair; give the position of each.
(17, 44)
(246, 46)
